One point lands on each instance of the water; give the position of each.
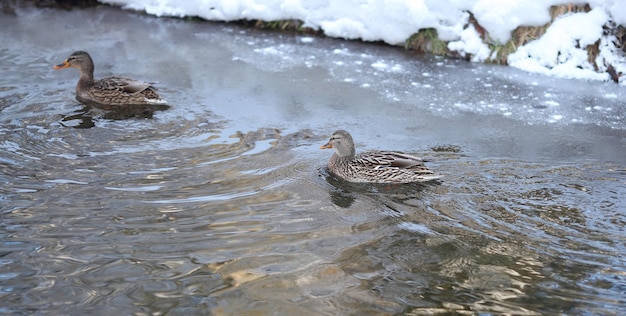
(221, 204)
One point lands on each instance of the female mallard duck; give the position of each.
(108, 91)
(374, 166)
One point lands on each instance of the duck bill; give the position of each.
(326, 146)
(65, 64)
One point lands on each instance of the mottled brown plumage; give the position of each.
(374, 166)
(110, 90)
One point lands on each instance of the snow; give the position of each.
(470, 44)
(559, 52)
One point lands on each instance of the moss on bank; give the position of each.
(427, 41)
(282, 25)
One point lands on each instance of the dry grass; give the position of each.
(524, 34)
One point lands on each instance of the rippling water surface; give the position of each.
(222, 205)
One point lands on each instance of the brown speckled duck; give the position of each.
(374, 166)
(115, 91)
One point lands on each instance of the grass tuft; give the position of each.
(284, 26)
(427, 41)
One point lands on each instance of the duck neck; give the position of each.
(335, 158)
(346, 153)
(86, 76)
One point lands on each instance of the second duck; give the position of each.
(374, 166)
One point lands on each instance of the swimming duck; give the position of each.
(374, 166)
(108, 91)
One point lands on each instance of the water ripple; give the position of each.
(189, 212)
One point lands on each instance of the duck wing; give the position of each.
(384, 159)
(122, 84)
(386, 167)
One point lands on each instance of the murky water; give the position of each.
(221, 204)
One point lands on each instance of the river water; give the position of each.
(222, 204)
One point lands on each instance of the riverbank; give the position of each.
(567, 40)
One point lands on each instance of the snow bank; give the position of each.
(560, 52)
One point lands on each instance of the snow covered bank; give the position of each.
(578, 42)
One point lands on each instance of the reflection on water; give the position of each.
(191, 213)
(84, 118)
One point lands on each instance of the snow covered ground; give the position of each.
(559, 52)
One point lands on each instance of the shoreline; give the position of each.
(424, 41)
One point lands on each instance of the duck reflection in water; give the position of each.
(88, 114)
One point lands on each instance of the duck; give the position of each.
(110, 91)
(374, 166)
